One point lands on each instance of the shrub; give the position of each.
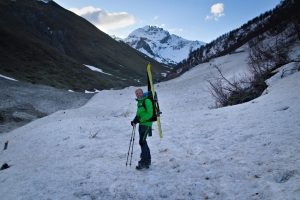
(263, 59)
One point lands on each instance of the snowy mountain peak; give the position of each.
(159, 44)
(149, 32)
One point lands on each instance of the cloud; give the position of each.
(155, 18)
(217, 11)
(105, 21)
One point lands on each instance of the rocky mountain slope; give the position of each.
(21, 102)
(43, 43)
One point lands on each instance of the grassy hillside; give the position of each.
(46, 44)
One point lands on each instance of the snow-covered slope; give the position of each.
(159, 44)
(247, 151)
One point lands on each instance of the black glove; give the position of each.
(132, 123)
(135, 121)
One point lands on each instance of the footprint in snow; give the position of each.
(282, 108)
(163, 150)
(66, 138)
(175, 166)
(284, 176)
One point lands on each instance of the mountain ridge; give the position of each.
(46, 44)
(274, 21)
(161, 45)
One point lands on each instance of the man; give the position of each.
(143, 115)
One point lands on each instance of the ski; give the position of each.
(154, 96)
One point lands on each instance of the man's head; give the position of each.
(139, 93)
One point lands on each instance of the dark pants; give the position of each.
(144, 131)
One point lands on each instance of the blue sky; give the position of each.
(202, 20)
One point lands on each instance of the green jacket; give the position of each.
(142, 113)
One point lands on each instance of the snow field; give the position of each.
(247, 151)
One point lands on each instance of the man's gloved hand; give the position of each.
(132, 123)
(135, 121)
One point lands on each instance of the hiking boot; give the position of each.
(142, 165)
(146, 162)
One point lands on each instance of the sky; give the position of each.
(202, 20)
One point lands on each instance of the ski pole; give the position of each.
(129, 145)
(132, 145)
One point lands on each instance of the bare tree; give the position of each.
(266, 55)
(224, 91)
(264, 58)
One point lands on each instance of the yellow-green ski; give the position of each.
(153, 95)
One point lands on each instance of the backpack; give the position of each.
(155, 106)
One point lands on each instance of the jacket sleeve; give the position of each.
(149, 111)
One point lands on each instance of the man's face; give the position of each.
(139, 94)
